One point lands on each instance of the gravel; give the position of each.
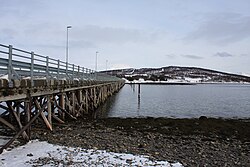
(192, 142)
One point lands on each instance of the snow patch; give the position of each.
(4, 77)
(36, 153)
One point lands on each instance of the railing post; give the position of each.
(82, 73)
(73, 75)
(47, 68)
(95, 74)
(10, 66)
(92, 74)
(86, 71)
(32, 69)
(78, 71)
(58, 66)
(89, 74)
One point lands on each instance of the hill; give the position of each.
(178, 74)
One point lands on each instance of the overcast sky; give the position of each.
(213, 34)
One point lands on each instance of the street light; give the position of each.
(96, 61)
(67, 44)
(96, 65)
(106, 66)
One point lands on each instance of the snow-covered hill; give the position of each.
(178, 75)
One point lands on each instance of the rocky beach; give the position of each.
(192, 142)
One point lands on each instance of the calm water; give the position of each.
(180, 101)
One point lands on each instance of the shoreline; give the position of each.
(192, 142)
(186, 83)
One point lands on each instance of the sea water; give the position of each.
(179, 101)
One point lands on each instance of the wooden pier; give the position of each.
(49, 101)
(35, 88)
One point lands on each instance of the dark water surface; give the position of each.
(180, 101)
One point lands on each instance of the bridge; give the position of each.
(37, 89)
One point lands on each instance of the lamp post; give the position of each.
(67, 44)
(96, 61)
(96, 64)
(106, 66)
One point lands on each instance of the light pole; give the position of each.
(67, 44)
(96, 61)
(96, 64)
(106, 66)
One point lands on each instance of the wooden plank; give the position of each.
(12, 97)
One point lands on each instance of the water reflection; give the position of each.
(132, 87)
(103, 110)
(139, 100)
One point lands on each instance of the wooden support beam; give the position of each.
(72, 101)
(65, 111)
(27, 111)
(68, 104)
(12, 110)
(22, 130)
(73, 104)
(62, 105)
(18, 109)
(86, 101)
(95, 97)
(58, 119)
(49, 109)
(43, 115)
(7, 124)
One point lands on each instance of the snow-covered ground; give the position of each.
(37, 153)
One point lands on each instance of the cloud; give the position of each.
(192, 56)
(20, 9)
(223, 54)
(171, 56)
(113, 35)
(244, 55)
(222, 29)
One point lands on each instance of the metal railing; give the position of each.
(19, 64)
